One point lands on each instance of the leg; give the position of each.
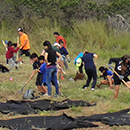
(94, 75)
(116, 92)
(88, 72)
(49, 72)
(54, 79)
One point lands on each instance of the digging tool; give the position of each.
(122, 79)
(5, 45)
(24, 86)
(65, 73)
(28, 82)
(17, 51)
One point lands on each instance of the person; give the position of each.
(56, 46)
(90, 68)
(79, 64)
(123, 75)
(24, 45)
(51, 69)
(59, 37)
(64, 53)
(9, 55)
(39, 79)
(108, 77)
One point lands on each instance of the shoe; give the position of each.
(92, 89)
(46, 95)
(62, 78)
(20, 62)
(84, 87)
(60, 94)
(16, 67)
(55, 95)
(42, 94)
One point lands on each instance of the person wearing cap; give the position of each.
(24, 45)
(59, 37)
(108, 77)
(90, 69)
(122, 67)
(78, 63)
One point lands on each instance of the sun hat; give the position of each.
(56, 44)
(78, 62)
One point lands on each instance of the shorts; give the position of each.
(26, 52)
(117, 81)
(39, 79)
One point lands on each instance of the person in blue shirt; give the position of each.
(37, 68)
(108, 77)
(90, 69)
(64, 53)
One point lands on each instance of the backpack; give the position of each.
(29, 94)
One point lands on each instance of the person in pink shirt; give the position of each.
(9, 55)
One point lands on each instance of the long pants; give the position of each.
(12, 63)
(51, 73)
(92, 73)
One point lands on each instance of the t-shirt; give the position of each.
(108, 73)
(11, 50)
(43, 71)
(56, 49)
(88, 60)
(36, 65)
(63, 39)
(23, 38)
(51, 56)
(64, 51)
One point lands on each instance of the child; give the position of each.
(64, 53)
(39, 80)
(9, 54)
(108, 77)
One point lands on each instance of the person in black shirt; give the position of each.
(123, 75)
(51, 69)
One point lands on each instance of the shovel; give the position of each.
(24, 86)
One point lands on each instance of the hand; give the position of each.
(121, 77)
(68, 59)
(110, 66)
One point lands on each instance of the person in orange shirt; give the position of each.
(24, 45)
(59, 37)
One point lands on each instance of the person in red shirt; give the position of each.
(59, 37)
(9, 55)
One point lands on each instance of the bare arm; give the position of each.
(33, 73)
(60, 56)
(95, 56)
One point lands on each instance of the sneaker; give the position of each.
(92, 89)
(42, 94)
(60, 94)
(84, 87)
(62, 78)
(16, 67)
(46, 95)
(55, 95)
(20, 62)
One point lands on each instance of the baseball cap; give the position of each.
(20, 30)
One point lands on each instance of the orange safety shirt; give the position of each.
(23, 38)
(63, 39)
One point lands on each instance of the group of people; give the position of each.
(53, 58)
(115, 76)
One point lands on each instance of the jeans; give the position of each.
(51, 75)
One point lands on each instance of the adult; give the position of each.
(120, 64)
(51, 69)
(59, 37)
(90, 68)
(24, 45)
(108, 77)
